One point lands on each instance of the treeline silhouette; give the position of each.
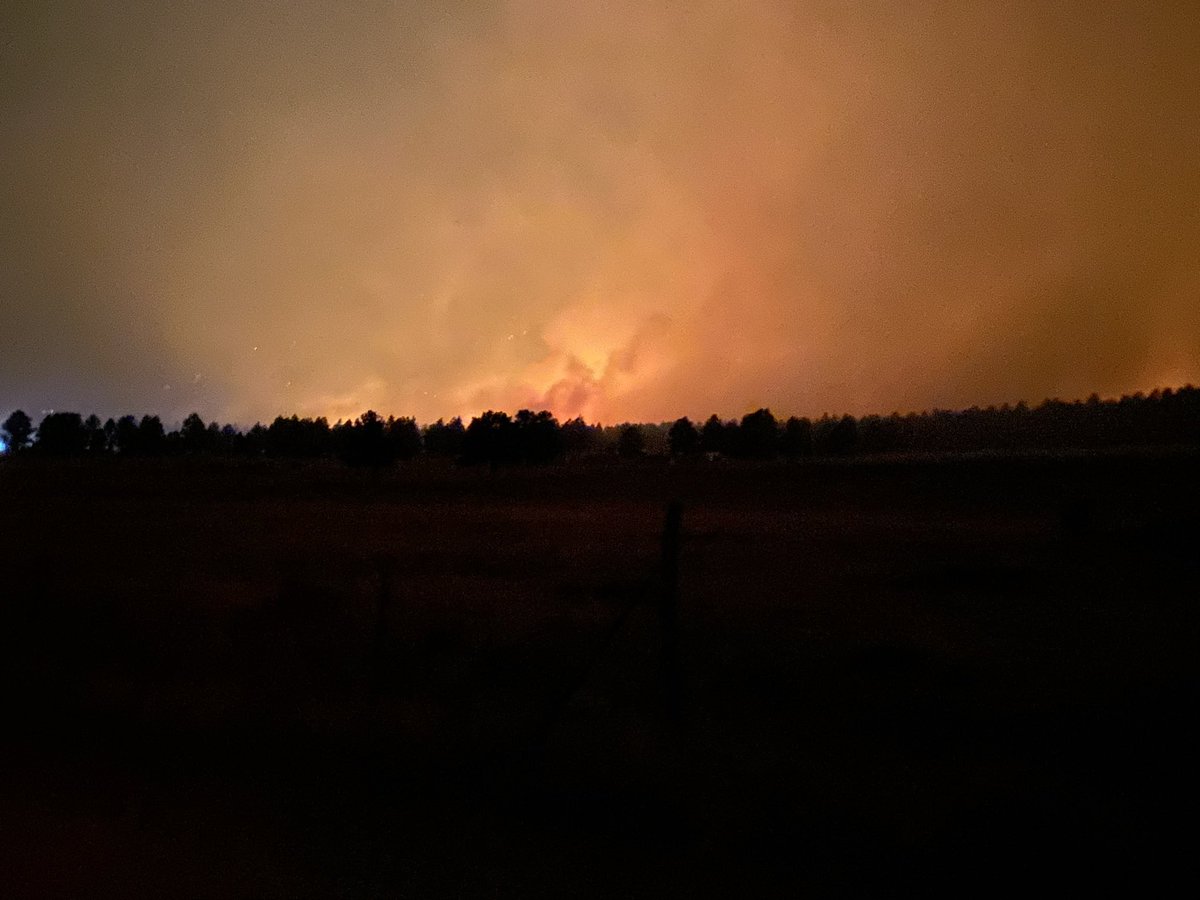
(1163, 417)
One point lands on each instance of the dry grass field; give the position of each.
(281, 680)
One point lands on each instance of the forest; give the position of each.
(1167, 417)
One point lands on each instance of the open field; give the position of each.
(276, 680)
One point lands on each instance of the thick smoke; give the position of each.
(630, 210)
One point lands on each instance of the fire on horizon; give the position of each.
(629, 210)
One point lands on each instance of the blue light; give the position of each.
(3, 445)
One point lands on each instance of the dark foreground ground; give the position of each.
(894, 677)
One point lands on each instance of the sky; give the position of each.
(626, 210)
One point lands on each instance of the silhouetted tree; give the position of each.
(655, 435)
(254, 442)
(316, 437)
(340, 435)
(228, 438)
(758, 436)
(632, 443)
(879, 435)
(712, 435)
(364, 442)
(61, 434)
(298, 438)
(841, 437)
(127, 436)
(283, 437)
(578, 437)
(193, 434)
(444, 438)
(215, 439)
(151, 438)
(97, 438)
(403, 438)
(536, 436)
(797, 439)
(489, 439)
(683, 439)
(1167, 416)
(110, 435)
(17, 428)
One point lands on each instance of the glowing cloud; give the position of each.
(624, 210)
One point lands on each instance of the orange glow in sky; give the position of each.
(629, 210)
